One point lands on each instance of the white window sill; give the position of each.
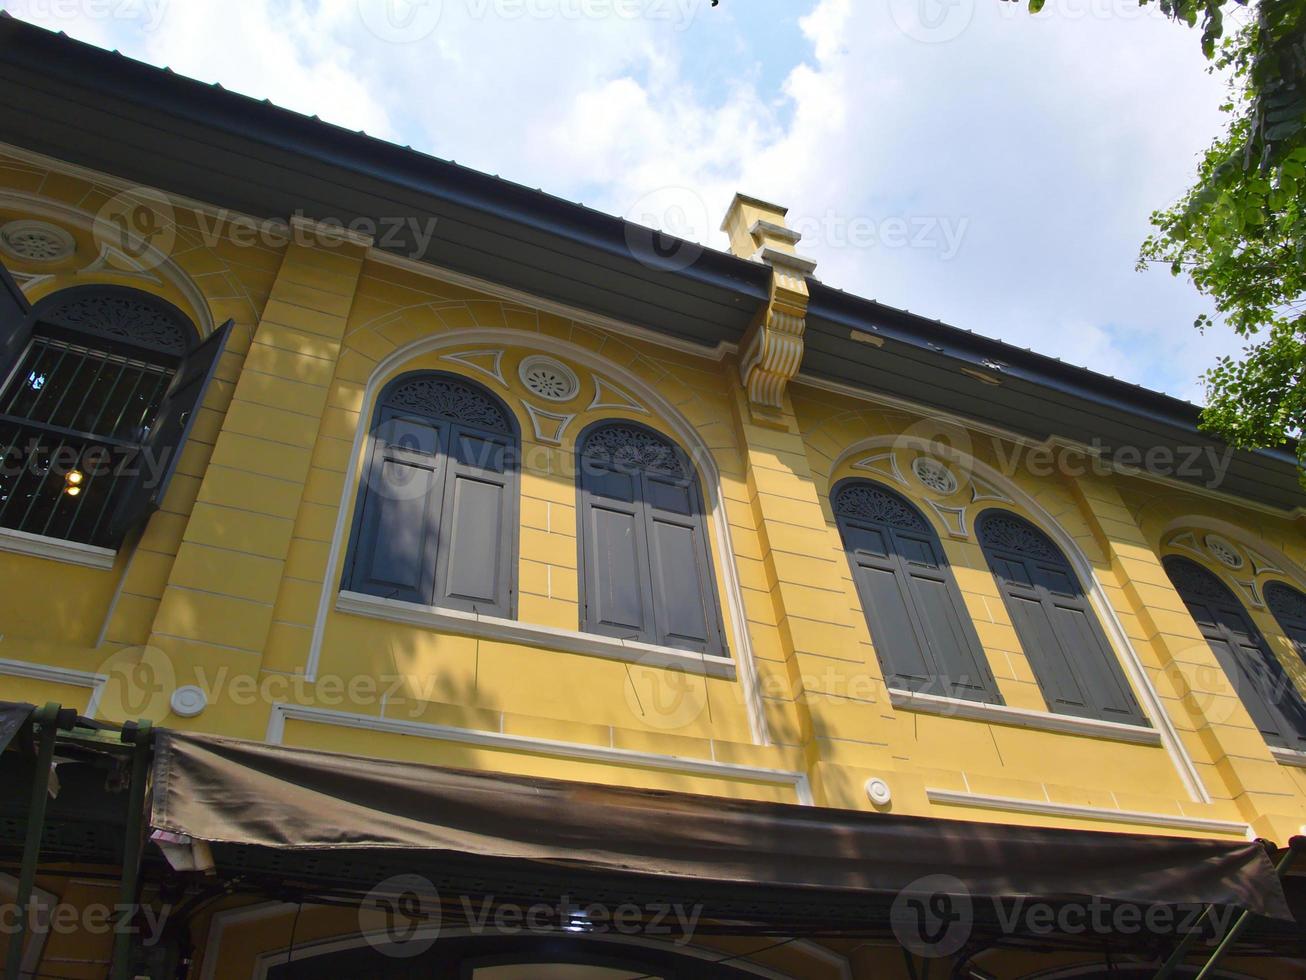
(56, 549)
(999, 714)
(528, 634)
(1288, 757)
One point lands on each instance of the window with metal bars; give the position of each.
(69, 421)
(99, 386)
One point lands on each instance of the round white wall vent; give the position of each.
(188, 701)
(548, 378)
(934, 475)
(877, 791)
(1224, 551)
(36, 241)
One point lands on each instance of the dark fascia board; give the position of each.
(113, 79)
(835, 309)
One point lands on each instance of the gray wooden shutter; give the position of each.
(923, 636)
(436, 518)
(15, 325)
(678, 556)
(1289, 608)
(618, 598)
(645, 559)
(157, 461)
(1073, 662)
(1263, 686)
(395, 544)
(478, 517)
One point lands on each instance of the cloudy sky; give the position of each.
(960, 158)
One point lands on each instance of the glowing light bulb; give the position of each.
(72, 491)
(75, 477)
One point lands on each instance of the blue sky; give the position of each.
(960, 158)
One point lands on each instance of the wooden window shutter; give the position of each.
(1075, 666)
(646, 567)
(436, 521)
(154, 466)
(15, 324)
(1263, 686)
(923, 636)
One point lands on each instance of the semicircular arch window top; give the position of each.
(436, 520)
(1075, 666)
(923, 636)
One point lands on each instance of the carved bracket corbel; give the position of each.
(772, 350)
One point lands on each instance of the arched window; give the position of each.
(923, 637)
(1075, 667)
(646, 570)
(99, 388)
(1263, 685)
(436, 521)
(1289, 608)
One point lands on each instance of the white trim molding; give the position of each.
(1001, 714)
(56, 549)
(282, 712)
(529, 634)
(1073, 811)
(59, 675)
(723, 550)
(1288, 757)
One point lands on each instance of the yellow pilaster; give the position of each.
(220, 602)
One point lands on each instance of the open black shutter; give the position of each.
(152, 469)
(15, 324)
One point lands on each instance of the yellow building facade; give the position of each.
(230, 610)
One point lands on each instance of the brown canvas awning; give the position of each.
(228, 791)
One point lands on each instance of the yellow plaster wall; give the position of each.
(226, 584)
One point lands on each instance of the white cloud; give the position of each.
(1043, 142)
